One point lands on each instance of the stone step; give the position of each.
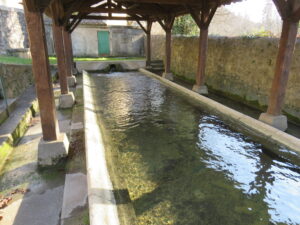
(157, 61)
(158, 66)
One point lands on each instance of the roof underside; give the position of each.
(66, 12)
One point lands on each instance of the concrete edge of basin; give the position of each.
(102, 203)
(255, 127)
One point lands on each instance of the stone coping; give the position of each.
(111, 61)
(102, 204)
(15, 126)
(287, 146)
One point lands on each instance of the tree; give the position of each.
(185, 25)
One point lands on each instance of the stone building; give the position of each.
(103, 39)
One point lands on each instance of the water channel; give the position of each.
(184, 166)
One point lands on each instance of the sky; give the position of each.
(252, 9)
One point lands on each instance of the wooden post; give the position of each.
(202, 18)
(61, 58)
(149, 26)
(167, 25)
(41, 72)
(203, 42)
(147, 31)
(68, 51)
(283, 63)
(168, 51)
(290, 13)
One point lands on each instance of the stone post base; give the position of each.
(202, 90)
(279, 122)
(72, 81)
(168, 76)
(66, 101)
(50, 152)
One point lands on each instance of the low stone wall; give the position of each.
(101, 65)
(16, 78)
(242, 68)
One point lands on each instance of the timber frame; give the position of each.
(67, 15)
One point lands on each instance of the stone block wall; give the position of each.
(16, 78)
(13, 33)
(12, 29)
(126, 41)
(240, 67)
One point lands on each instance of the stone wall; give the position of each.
(12, 29)
(13, 33)
(124, 41)
(16, 78)
(238, 67)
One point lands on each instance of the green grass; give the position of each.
(16, 60)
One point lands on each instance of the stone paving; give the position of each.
(33, 196)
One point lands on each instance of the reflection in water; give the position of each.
(183, 166)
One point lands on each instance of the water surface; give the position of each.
(183, 166)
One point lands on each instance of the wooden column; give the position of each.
(290, 13)
(41, 72)
(68, 52)
(202, 18)
(149, 26)
(167, 25)
(61, 58)
(283, 63)
(168, 51)
(203, 42)
(147, 31)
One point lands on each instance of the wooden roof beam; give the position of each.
(94, 17)
(144, 11)
(167, 2)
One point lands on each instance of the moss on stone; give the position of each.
(5, 150)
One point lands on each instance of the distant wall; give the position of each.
(240, 67)
(85, 40)
(16, 78)
(13, 29)
(13, 34)
(124, 41)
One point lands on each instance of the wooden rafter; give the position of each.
(167, 23)
(94, 17)
(203, 16)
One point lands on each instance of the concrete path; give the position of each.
(34, 196)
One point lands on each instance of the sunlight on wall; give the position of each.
(11, 3)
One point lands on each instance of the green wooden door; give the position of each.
(103, 43)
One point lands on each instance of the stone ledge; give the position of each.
(263, 132)
(16, 125)
(102, 204)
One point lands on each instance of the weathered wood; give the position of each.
(147, 31)
(168, 51)
(203, 42)
(68, 52)
(133, 18)
(282, 8)
(148, 60)
(167, 25)
(202, 18)
(61, 58)
(41, 72)
(283, 63)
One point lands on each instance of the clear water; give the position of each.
(184, 166)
